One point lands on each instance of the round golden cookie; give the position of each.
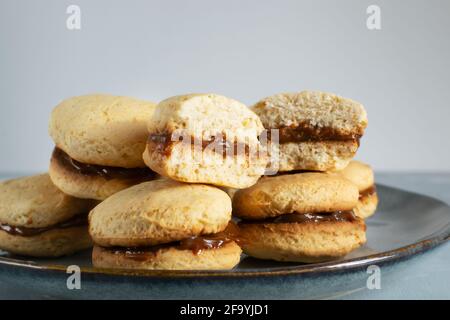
(89, 186)
(302, 242)
(319, 109)
(35, 202)
(102, 129)
(159, 211)
(359, 173)
(52, 243)
(317, 131)
(367, 206)
(301, 193)
(204, 118)
(171, 258)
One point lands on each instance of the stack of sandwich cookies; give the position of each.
(316, 131)
(362, 176)
(206, 138)
(305, 217)
(208, 151)
(165, 224)
(37, 219)
(99, 143)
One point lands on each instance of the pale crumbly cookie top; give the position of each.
(102, 129)
(203, 115)
(317, 109)
(34, 202)
(159, 211)
(360, 173)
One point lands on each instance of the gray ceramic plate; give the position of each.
(405, 224)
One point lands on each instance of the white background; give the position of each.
(245, 49)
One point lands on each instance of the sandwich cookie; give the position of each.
(206, 138)
(305, 217)
(165, 224)
(38, 220)
(99, 143)
(316, 131)
(362, 176)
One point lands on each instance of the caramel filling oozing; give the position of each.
(368, 192)
(106, 172)
(306, 132)
(76, 221)
(163, 143)
(337, 216)
(195, 244)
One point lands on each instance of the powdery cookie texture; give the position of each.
(309, 155)
(99, 143)
(206, 138)
(102, 129)
(361, 174)
(39, 220)
(300, 217)
(53, 243)
(367, 205)
(302, 242)
(157, 212)
(35, 202)
(300, 193)
(318, 131)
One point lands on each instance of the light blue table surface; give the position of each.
(425, 276)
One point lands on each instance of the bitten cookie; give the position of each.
(316, 131)
(361, 174)
(206, 138)
(99, 140)
(303, 217)
(164, 224)
(37, 219)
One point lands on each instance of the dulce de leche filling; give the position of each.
(163, 143)
(305, 132)
(106, 172)
(337, 216)
(76, 221)
(368, 192)
(195, 244)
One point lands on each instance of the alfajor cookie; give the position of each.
(37, 219)
(303, 217)
(206, 138)
(99, 140)
(315, 130)
(164, 224)
(361, 174)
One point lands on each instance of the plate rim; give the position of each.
(435, 239)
